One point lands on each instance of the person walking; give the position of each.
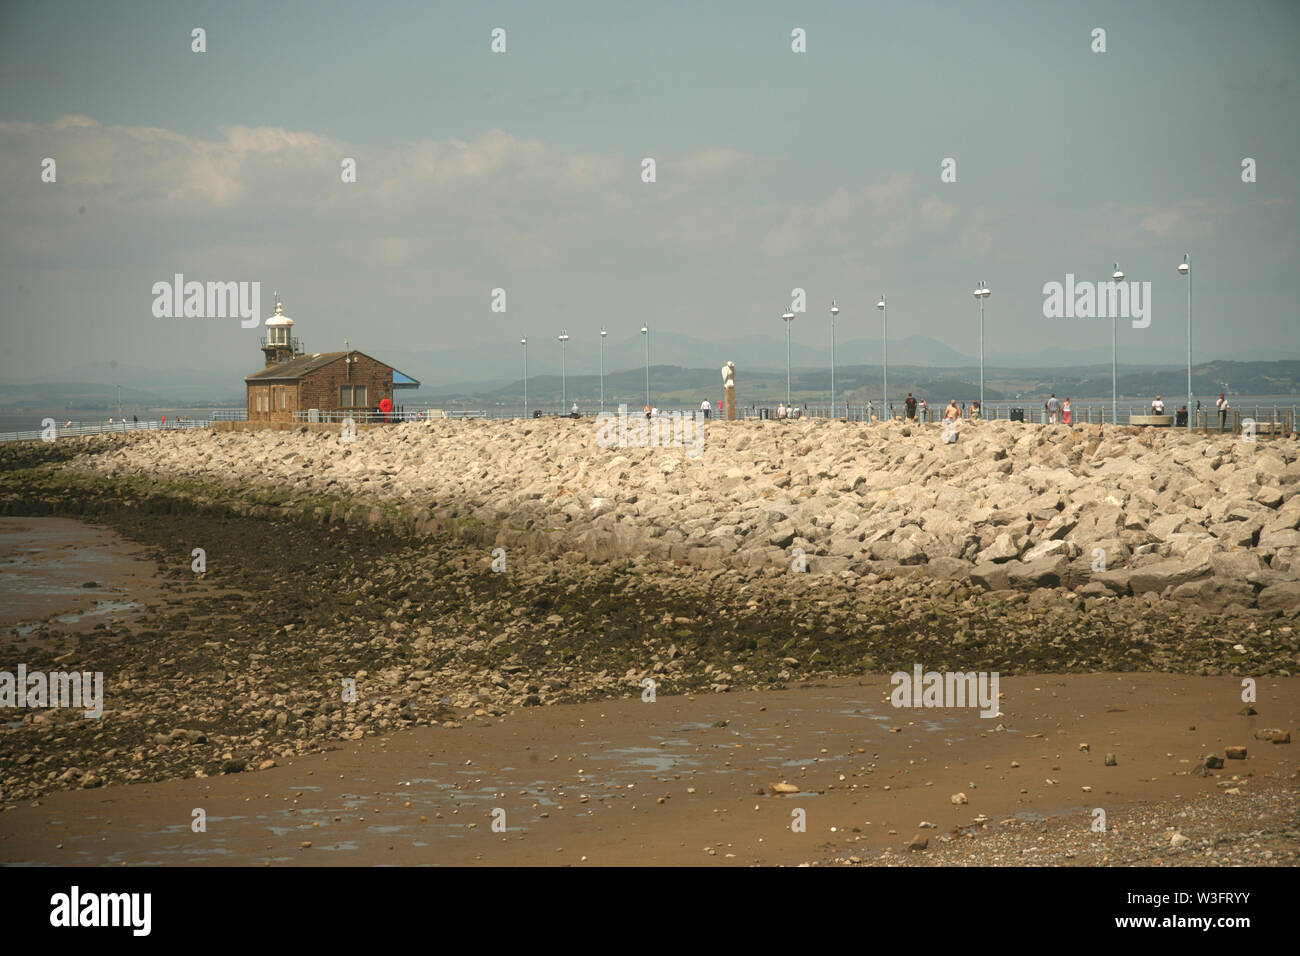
(1222, 405)
(922, 409)
(975, 413)
(1067, 416)
(780, 412)
(909, 407)
(1052, 406)
(705, 407)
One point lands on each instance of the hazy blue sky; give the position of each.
(776, 170)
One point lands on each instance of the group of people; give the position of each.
(784, 411)
(914, 407)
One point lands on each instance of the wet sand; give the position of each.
(678, 781)
(45, 565)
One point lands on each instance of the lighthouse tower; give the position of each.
(279, 343)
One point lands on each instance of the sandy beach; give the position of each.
(523, 689)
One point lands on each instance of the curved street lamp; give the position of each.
(835, 310)
(603, 333)
(645, 330)
(1114, 358)
(982, 293)
(884, 312)
(787, 317)
(1185, 268)
(564, 391)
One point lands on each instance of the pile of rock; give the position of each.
(1209, 520)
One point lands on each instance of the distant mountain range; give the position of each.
(494, 372)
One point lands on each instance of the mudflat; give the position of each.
(689, 781)
(60, 566)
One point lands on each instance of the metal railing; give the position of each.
(78, 429)
(1090, 413)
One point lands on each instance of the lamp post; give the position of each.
(1185, 267)
(787, 317)
(884, 313)
(1114, 358)
(645, 331)
(603, 333)
(835, 310)
(564, 391)
(524, 343)
(982, 293)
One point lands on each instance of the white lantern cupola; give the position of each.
(279, 343)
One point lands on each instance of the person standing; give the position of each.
(1222, 405)
(1053, 406)
(1067, 416)
(1158, 406)
(780, 411)
(705, 407)
(975, 413)
(909, 407)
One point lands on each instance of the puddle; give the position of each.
(75, 617)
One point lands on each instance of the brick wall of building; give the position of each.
(320, 389)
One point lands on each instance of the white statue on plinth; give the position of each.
(729, 375)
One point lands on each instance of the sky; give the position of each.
(775, 170)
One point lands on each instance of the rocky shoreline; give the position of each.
(375, 563)
(1206, 520)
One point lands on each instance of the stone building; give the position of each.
(333, 383)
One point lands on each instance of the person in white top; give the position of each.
(654, 412)
(780, 411)
(705, 407)
(1222, 404)
(1158, 406)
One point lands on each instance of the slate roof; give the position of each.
(296, 368)
(306, 364)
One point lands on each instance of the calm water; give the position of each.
(11, 421)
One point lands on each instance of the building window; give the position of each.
(282, 398)
(352, 396)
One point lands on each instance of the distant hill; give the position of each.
(492, 376)
(676, 385)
